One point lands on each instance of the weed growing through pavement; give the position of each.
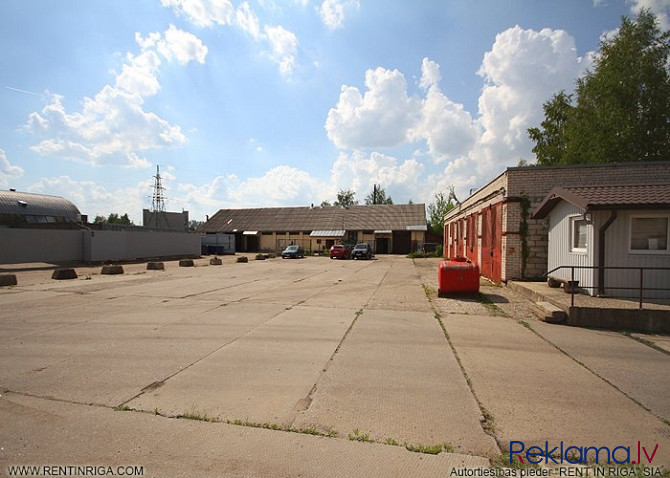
(431, 450)
(502, 461)
(490, 305)
(357, 435)
(198, 416)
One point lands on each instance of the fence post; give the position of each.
(641, 284)
(572, 286)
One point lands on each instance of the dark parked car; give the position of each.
(293, 252)
(361, 251)
(339, 251)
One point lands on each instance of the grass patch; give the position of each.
(391, 441)
(430, 450)
(357, 435)
(198, 416)
(502, 461)
(124, 408)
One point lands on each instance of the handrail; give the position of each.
(640, 288)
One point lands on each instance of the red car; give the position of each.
(339, 251)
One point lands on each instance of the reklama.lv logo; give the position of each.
(620, 455)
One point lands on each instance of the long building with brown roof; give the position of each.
(387, 228)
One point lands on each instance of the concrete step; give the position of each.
(550, 313)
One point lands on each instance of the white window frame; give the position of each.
(649, 251)
(573, 221)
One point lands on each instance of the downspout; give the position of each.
(601, 251)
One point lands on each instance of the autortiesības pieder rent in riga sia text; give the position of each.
(74, 470)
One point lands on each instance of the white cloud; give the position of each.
(360, 171)
(203, 13)
(113, 127)
(93, 199)
(430, 74)
(8, 170)
(379, 118)
(247, 20)
(280, 186)
(334, 12)
(283, 48)
(281, 44)
(522, 71)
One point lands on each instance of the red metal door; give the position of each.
(491, 265)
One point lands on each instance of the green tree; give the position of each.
(551, 141)
(378, 196)
(345, 198)
(438, 209)
(114, 218)
(621, 111)
(99, 219)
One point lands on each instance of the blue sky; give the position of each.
(281, 103)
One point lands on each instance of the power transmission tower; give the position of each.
(158, 200)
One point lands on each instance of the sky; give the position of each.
(281, 102)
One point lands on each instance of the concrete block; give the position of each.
(550, 313)
(64, 274)
(111, 270)
(7, 279)
(243, 259)
(260, 257)
(155, 266)
(186, 263)
(215, 261)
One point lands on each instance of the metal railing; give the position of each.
(641, 288)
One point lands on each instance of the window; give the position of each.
(649, 234)
(579, 231)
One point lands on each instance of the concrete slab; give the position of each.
(536, 393)
(636, 369)
(259, 378)
(395, 378)
(41, 433)
(110, 361)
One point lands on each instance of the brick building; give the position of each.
(493, 227)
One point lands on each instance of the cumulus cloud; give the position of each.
(8, 170)
(113, 127)
(360, 171)
(281, 45)
(523, 69)
(379, 118)
(334, 12)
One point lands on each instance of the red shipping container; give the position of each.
(458, 276)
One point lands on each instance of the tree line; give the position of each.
(620, 111)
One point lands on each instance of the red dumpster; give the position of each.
(458, 275)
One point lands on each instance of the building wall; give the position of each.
(36, 245)
(560, 241)
(617, 253)
(533, 184)
(174, 221)
(30, 245)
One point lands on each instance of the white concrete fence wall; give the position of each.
(39, 245)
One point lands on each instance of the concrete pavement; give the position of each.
(97, 370)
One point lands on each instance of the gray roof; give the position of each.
(643, 196)
(304, 219)
(29, 204)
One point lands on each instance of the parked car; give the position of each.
(293, 252)
(361, 251)
(339, 251)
